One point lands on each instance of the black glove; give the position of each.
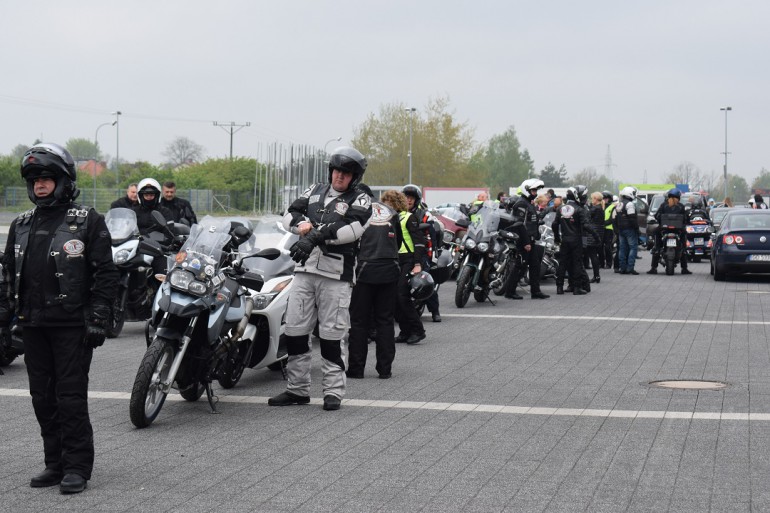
(95, 333)
(96, 328)
(300, 250)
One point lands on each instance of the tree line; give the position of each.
(444, 153)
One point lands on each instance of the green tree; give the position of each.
(506, 165)
(441, 146)
(18, 151)
(762, 181)
(737, 188)
(553, 177)
(591, 178)
(9, 173)
(82, 149)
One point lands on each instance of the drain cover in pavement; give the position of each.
(689, 384)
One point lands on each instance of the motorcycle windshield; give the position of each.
(121, 223)
(485, 222)
(546, 232)
(204, 247)
(269, 233)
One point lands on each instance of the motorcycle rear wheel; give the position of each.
(670, 263)
(146, 397)
(463, 291)
(234, 364)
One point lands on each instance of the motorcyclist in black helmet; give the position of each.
(672, 206)
(526, 224)
(571, 222)
(329, 217)
(59, 270)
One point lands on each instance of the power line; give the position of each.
(231, 125)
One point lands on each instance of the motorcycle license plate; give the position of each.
(671, 243)
(699, 242)
(759, 258)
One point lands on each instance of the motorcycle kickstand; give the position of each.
(212, 399)
(488, 298)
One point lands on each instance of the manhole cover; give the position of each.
(689, 384)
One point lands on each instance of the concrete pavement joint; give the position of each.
(616, 319)
(464, 407)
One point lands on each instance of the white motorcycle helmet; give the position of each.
(530, 187)
(628, 192)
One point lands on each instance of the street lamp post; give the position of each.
(96, 147)
(117, 114)
(726, 109)
(326, 155)
(331, 141)
(411, 111)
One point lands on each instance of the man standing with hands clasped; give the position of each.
(61, 282)
(330, 218)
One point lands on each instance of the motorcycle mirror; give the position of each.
(158, 218)
(268, 254)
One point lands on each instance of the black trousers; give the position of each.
(371, 306)
(533, 259)
(406, 315)
(57, 363)
(571, 262)
(432, 303)
(609, 240)
(592, 253)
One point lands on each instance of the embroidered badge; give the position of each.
(74, 247)
(341, 208)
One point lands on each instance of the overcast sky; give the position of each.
(644, 78)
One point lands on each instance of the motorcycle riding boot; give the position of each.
(684, 266)
(511, 284)
(654, 265)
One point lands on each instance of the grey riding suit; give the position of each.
(322, 287)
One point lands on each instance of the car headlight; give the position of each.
(483, 246)
(121, 257)
(470, 243)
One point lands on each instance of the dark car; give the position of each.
(717, 214)
(652, 223)
(742, 244)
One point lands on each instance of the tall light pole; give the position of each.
(117, 114)
(331, 141)
(411, 111)
(726, 109)
(96, 146)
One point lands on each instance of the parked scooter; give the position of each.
(202, 312)
(481, 247)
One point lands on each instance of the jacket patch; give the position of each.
(567, 211)
(341, 208)
(314, 198)
(74, 247)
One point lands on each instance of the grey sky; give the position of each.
(646, 78)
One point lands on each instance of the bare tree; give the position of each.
(182, 150)
(686, 172)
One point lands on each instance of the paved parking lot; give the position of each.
(521, 406)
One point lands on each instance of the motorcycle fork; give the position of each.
(186, 338)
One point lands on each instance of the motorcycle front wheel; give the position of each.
(146, 397)
(463, 291)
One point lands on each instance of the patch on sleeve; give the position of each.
(314, 198)
(363, 201)
(74, 247)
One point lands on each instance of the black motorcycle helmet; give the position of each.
(582, 194)
(412, 190)
(607, 195)
(148, 186)
(421, 286)
(349, 160)
(48, 160)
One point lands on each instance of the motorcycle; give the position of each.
(508, 259)
(699, 232)
(11, 343)
(202, 311)
(550, 261)
(133, 256)
(482, 249)
(671, 226)
(455, 226)
(262, 344)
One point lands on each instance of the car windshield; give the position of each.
(657, 201)
(740, 221)
(718, 214)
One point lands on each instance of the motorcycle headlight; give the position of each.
(470, 243)
(263, 300)
(448, 236)
(483, 246)
(121, 257)
(198, 288)
(180, 279)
